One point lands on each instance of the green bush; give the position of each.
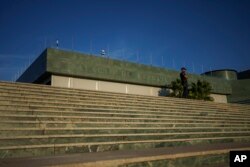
(176, 88)
(200, 90)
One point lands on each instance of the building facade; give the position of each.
(76, 70)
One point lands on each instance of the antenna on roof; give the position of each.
(137, 56)
(45, 42)
(151, 59)
(193, 67)
(90, 47)
(162, 64)
(107, 50)
(173, 63)
(103, 52)
(57, 43)
(72, 42)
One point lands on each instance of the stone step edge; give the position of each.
(114, 123)
(122, 157)
(118, 128)
(116, 143)
(107, 103)
(125, 114)
(117, 135)
(90, 103)
(122, 100)
(139, 106)
(117, 118)
(111, 109)
(47, 87)
(139, 96)
(136, 159)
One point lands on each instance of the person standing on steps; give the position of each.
(184, 82)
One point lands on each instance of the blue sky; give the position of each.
(212, 34)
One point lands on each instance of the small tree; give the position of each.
(177, 88)
(201, 90)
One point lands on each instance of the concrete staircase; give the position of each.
(40, 120)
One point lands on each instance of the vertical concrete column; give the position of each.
(96, 85)
(69, 82)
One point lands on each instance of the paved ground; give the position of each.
(115, 155)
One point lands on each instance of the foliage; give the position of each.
(176, 88)
(199, 90)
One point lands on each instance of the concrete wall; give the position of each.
(219, 98)
(35, 70)
(225, 74)
(244, 74)
(88, 84)
(241, 92)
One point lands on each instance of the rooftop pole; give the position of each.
(57, 43)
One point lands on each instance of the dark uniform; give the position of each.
(184, 83)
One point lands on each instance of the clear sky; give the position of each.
(212, 34)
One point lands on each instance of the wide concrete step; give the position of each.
(125, 111)
(213, 155)
(186, 106)
(96, 108)
(109, 102)
(40, 120)
(78, 100)
(38, 93)
(44, 88)
(92, 104)
(80, 138)
(6, 105)
(4, 132)
(220, 106)
(115, 118)
(114, 114)
(64, 124)
(58, 149)
(6, 109)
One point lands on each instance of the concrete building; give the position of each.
(239, 81)
(76, 70)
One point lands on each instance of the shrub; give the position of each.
(200, 90)
(176, 88)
